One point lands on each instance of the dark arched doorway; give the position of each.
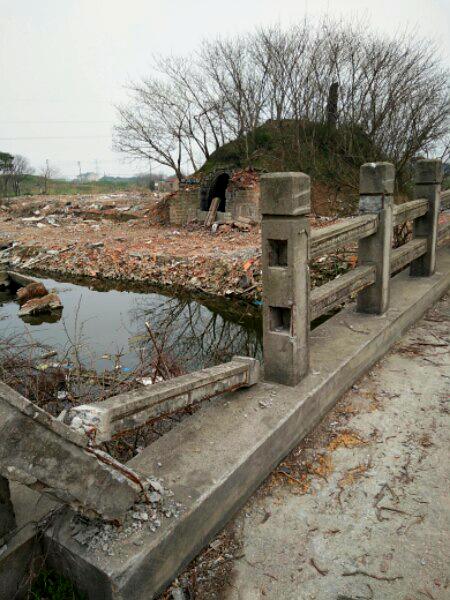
(214, 188)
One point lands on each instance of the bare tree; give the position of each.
(20, 169)
(390, 96)
(445, 149)
(48, 172)
(6, 166)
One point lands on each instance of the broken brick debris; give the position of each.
(45, 304)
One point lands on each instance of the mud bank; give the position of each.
(234, 278)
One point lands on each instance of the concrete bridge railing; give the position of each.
(288, 244)
(288, 308)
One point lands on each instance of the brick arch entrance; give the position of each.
(214, 187)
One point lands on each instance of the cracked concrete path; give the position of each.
(361, 510)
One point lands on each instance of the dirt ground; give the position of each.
(123, 237)
(360, 509)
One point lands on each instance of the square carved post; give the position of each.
(285, 207)
(427, 178)
(376, 197)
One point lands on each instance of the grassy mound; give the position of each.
(331, 156)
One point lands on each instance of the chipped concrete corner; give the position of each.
(46, 455)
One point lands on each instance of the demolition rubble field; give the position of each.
(125, 237)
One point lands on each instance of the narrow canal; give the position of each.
(107, 328)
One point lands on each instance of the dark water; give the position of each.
(106, 326)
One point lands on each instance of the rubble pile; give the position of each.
(223, 261)
(62, 240)
(245, 178)
(45, 304)
(101, 536)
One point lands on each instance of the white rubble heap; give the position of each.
(100, 536)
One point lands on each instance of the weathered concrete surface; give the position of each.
(284, 194)
(328, 239)
(403, 255)
(285, 231)
(102, 420)
(215, 461)
(408, 211)
(376, 183)
(377, 178)
(428, 176)
(48, 456)
(381, 509)
(338, 290)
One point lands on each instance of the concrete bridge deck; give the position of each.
(369, 514)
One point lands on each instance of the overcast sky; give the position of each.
(64, 63)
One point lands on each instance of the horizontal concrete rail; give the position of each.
(400, 257)
(333, 293)
(329, 238)
(408, 211)
(101, 421)
(445, 200)
(46, 455)
(443, 234)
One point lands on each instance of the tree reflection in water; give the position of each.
(197, 335)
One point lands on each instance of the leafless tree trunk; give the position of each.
(20, 169)
(47, 172)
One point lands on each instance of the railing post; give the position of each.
(376, 181)
(7, 517)
(427, 179)
(285, 207)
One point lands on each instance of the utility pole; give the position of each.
(46, 175)
(79, 170)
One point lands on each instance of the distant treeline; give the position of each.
(17, 177)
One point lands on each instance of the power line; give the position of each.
(92, 160)
(53, 100)
(63, 137)
(51, 122)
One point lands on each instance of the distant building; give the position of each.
(168, 185)
(87, 177)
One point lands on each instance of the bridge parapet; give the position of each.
(289, 305)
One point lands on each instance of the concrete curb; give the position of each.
(214, 461)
